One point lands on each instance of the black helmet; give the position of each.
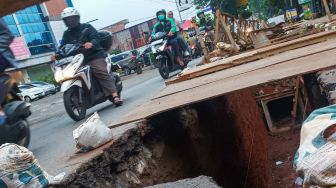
(105, 39)
(199, 13)
(161, 11)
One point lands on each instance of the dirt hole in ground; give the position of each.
(207, 139)
(280, 109)
(218, 138)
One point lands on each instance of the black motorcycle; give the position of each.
(16, 129)
(165, 56)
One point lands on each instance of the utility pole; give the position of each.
(178, 10)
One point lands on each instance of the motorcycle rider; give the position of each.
(167, 25)
(94, 54)
(7, 60)
(207, 23)
(180, 39)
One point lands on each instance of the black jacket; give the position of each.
(71, 36)
(206, 23)
(7, 59)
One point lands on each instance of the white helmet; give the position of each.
(70, 11)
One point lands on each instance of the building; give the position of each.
(116, 27)
(133, 37)
(38, 30)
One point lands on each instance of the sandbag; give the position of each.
(327, 82)
(315, 159)
(20, 169)
(92, 134)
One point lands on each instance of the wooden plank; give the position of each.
(295, 33)
(326, 8)
(295, 100)
(267, 51)
(228, 34)
(288, 69)
(217, 27)
(286, 56)
(256, 54)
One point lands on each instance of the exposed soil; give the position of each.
(283, 148)
(224, 138)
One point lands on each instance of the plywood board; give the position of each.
(288, 69)
(255, 55)
(286, 56)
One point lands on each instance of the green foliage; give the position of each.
(267, 8)
(48, 78)
(263, 9)
(115, 51)
(226, 6)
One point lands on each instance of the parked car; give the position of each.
(30, 93)
(128, 61)
(47, 87)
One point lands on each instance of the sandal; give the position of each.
(117, 101)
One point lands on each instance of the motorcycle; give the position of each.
(165, 56)
(209, 44)
(195, 46)
(16, 129)
(196, 51)
(81, 89)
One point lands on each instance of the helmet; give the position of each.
(70, 11)
(161, 11)
(105, 39)
(199, 13)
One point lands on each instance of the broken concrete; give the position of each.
(199, 182)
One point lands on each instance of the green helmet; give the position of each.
(161, 11)
(199, 12)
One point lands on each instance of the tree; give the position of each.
(267, 8)
(260, 8)
(227, 6)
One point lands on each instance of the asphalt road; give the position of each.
(52, 141)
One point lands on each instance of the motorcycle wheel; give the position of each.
(26, 139)
(127, 71)
(76, 111)
(164, 69)
(139, 70)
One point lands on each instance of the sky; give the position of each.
(136, 11)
